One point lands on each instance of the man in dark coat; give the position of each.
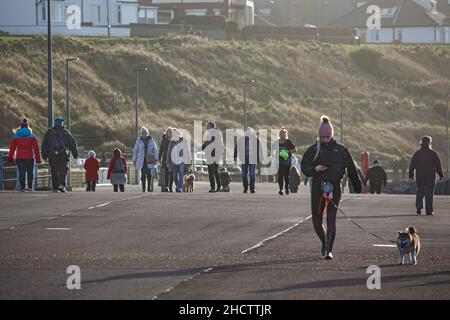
(213, 166)
(57, 145)
(425, 163)
(376, 176)
(166, 179)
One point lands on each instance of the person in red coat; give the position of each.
(117, 171)
(24, 152)
(92, 166)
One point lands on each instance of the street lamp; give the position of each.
(136, 123)
(341, 90)
(446, 124)
(49, 68)
(245, 84)
(68, 60)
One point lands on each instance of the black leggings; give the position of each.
(283, 175)
(318, 207)
(117, 186)
(91, 185)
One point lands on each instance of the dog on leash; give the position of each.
(189, 182)
(408, 242)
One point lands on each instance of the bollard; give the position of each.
(2, 187)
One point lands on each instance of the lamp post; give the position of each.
(136, 123)
(68, 60)
(49, 68)
(448, 142)
(245, 84)
(341, 90)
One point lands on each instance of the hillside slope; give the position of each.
(397, 92)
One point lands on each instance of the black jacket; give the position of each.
(249, 147)
(376, 175)
(163, 150)
(334, 156)
(426, 163)
(69, 142)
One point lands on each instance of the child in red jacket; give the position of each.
(117, 171)
(92, 166)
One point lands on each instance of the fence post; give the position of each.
(2, 187)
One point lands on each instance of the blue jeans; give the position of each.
(178, 176)
(425, 188)
(249, 168)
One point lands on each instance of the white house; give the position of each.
(163, 11)
(402, 21)
(70, 17)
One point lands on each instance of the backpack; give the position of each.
(119, 166)
(57, 144)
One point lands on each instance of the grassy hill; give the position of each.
(397, 92)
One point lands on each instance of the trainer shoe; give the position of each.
(287, 191)
(252, 191)
(280, 192)
(430, 214)
(328, 256)
(62, 189)
(30, 190)
(419, 211)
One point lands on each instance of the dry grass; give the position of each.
(397, 91)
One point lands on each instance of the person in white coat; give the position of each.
(145, 158)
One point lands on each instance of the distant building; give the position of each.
(30, 16)
(103, 17)
(298, 13)
(402, 21)
(163, 11)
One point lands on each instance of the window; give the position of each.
(388, 12)
(195, 12)
(399, 35)
(119, 14)
(165, 16)
(94, 13)
(442, 35)
(147, 16)
(57, 12)
(44, 12)
(217, 12)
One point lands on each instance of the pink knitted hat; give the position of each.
(325, 129)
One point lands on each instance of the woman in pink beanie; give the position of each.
(325, 162)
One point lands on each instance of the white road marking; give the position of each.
(183, 281)
(260, 244)
(385, 245)
(58, 229)
(103, 204)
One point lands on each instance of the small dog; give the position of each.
(408, 242)
(225, 180)
(189, 182)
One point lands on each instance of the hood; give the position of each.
(24, 133)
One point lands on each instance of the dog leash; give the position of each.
(328, 201)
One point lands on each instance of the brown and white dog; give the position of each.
(189, 182)
(408, 242)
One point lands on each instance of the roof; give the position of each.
(395, 13)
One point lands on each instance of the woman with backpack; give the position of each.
(24, 151)
(117, 171)
(145, 157)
